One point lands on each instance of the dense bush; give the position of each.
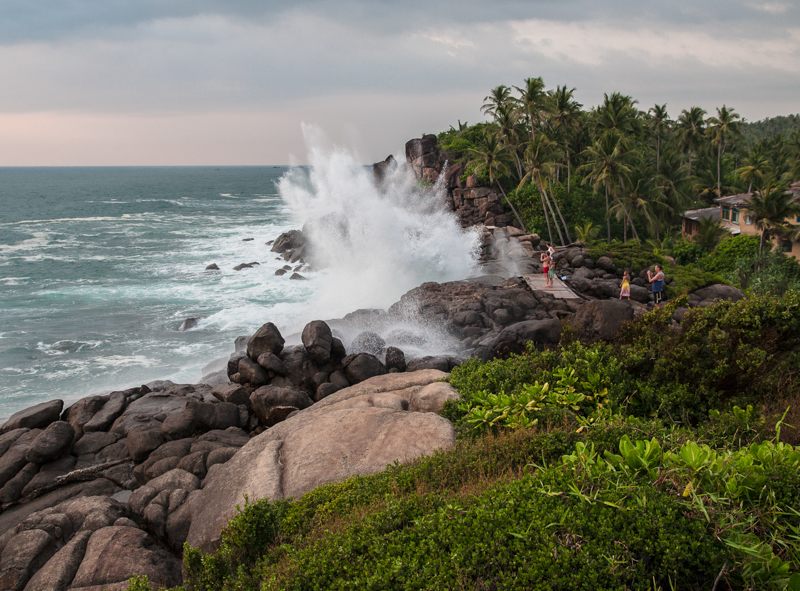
(686, 253)
(689, 279)
(729, 251)
(627, 255)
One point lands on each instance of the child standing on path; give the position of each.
(626, 286)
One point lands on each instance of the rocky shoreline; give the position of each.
(113, 485)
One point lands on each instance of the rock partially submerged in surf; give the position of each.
(212, 267)
(189, 323)
(245, 266)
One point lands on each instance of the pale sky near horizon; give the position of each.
(212, 82)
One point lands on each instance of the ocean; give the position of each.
(99, 267)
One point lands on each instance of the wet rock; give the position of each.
(143, 441)
(266, 339)
(189, 323)
(364, 366)
(232, 393)
(602, 319)
(251, 372)
(297, 276)
(51, 443)
(212, 267)
(280, 272)
(395, 359)
(241, 266)
(272, 363)
(290, 240)
(318, 340)
(35, 417)
(368, 342)
(266, 397)
(514, 338)
(179, 425)
(103, 418)
(82, 411)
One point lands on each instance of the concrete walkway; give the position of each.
(559, 290)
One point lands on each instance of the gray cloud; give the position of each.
(391, 66)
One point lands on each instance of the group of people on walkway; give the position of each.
(655, 276)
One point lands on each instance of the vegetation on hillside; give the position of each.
(662, 460)
(630, 172)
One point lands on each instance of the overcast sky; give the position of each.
(174, 82)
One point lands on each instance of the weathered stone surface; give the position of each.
(93, 442)
(143, 441)
(513, 339)
(601, 319)
(368, 342)
(35, 417)
(318, 340)
(251, 372)
(718, 292)
(12, 490)
(104, 417)
(7, 439)
(266, 397)
(59, 571)
(356, 430)
(26, 553)
(288, 241)
(273, 363)
(144, 412)
(438, 362)
(266, 339)
(114, 554)
(14, 459)
(363, 367)
(233, 393)
(82, 411)
(325, 390)
(431, 398)
(220, 456)
(179, 425)
(55, 440)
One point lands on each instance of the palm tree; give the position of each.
(606, 165)
(709, 234)
(659, 125)
(497, 97)
(539, 163)
(690, 131)
(565, 118)
(491, 155)
(587, 233)
(532, 101)
(618, 112)
(642, 200)
(723, 126)
(507, 121)
(770, 209)
(756, 167)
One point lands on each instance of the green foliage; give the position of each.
(686, 253)
(137, 583)
(726, 255)
(628, 255)
(689, 279)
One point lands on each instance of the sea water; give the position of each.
(100, 266)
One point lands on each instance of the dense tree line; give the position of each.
(629, 171)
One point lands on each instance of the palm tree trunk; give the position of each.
(519, 219)
(569, 171)
(608, 218)
(560, 215)
(719, 170)
(750, 188)
(552, 213)
(658, 153)
(546, 217)
(628, 218)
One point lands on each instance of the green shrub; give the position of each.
(686, 253)
(689, 279)
(628, 255)
(729, 251)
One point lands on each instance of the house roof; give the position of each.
(701, 214)
(740, 199)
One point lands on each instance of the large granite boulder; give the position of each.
(35, 417)
(602, 319)
(717, 292)
(364, 366)
(318, 340)
(357, 430)
(51, 443)
(266, 339)
(514, 338)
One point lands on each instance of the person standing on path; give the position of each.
(657, 281)
(547, 269)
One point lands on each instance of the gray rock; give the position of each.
(513, 339)
(368, 342)
(251, 372)
(364, 366)
(82, 411)
(233, 393)
(12, 491)
(273, 363)
(93, 442)
(103, 418)
(324, 390)
(195, 463)
(438, 362)
(162, 467)
(233, 363)
(144, 413)
(718, 292)
(51, 443)
(114, 554)
(220, 456)
(59, 571)
(8, 439)
(297, 277)
(266, 397)
(606, 264)
(266, 339)
(143, 441)
(26, 553)
(35, 417)
(14, 459)
(189, 323)
(339, 378)
(179, 425)
(217, 416)
(212, 267)
(318, 340)
(601, 319)
(231, 437)
(583, 273)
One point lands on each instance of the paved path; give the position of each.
(559, 289)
